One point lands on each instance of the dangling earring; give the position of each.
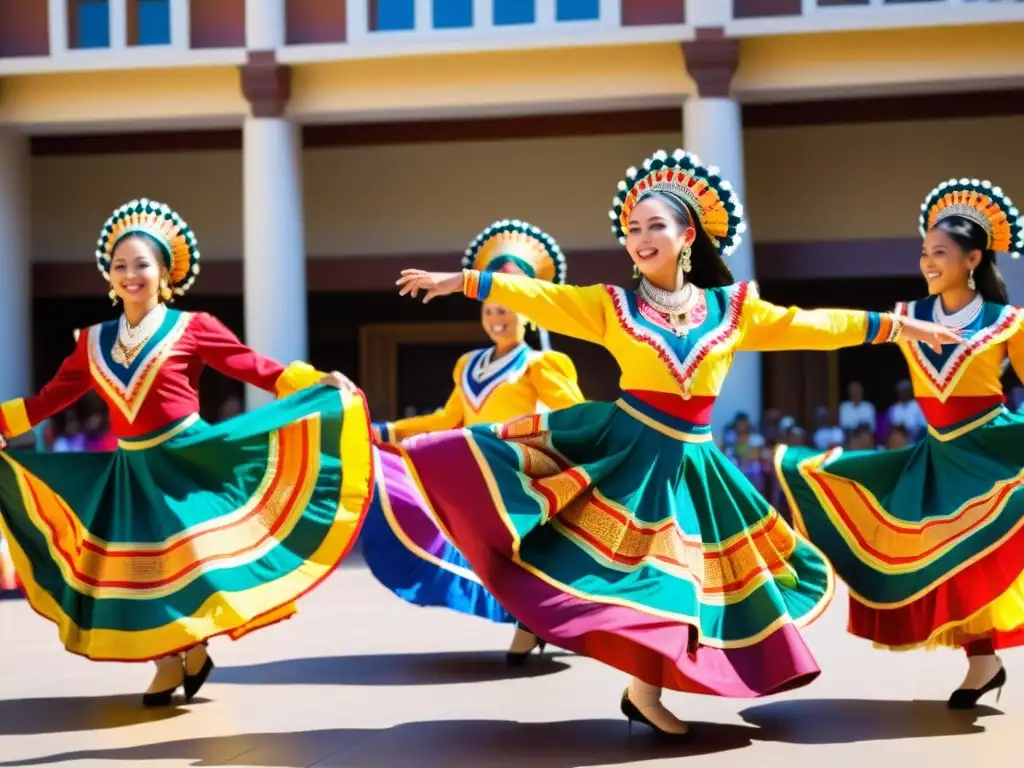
(636, 272)
(970, 280)
(166, 294)
(113, 296)
(684, 258)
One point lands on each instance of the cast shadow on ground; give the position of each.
(845, 721)
(447, 668)
(25, 717)
(478, 743)
(438, 744)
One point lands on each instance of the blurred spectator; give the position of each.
(856, 411)
(906, 413)
(70, 437)
(827, 433)
(898, 438)
(99, 437)
(862, 439)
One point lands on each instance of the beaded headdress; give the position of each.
(701, 188)
(167, 229)
(980, 202)
(512, 245)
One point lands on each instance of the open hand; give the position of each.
(932, 334)
(339, 381)
(433, 284)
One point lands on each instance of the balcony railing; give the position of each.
(53, 35)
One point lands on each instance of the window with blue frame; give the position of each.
(92, 24)
(578, 10)
(154, 22)
(453, 14)
(395, 15)
(508, 12)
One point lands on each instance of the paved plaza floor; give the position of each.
(361, 679)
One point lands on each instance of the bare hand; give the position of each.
(339, 381)
(3, 442)
(932, 334)
(433, 284)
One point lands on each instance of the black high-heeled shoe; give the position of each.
(193, 683)
(633, 714)
(967, 698)
(162, 698)
(518, 658)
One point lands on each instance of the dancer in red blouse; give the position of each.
(189, 530)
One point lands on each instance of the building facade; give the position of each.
(319, 146)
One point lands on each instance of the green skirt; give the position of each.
(620, 532)
(929, 538)
(196, 531)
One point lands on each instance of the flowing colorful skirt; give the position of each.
(196, 531)
(929, 538)
(619, 532)
(409, 554)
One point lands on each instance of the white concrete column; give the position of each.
(15, 268)
(265, 24)
(275, 250)
(713, 130)
(274, 236)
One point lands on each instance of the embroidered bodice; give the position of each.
(492, 391)
(159, 386)
(651, 356)
(964, 380)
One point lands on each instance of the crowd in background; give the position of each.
(856, 425)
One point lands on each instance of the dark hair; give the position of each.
(707, 267)
(970, 236)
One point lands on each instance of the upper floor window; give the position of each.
(507, 12)
(578, 10)
(152, 22)
(91, 26)
(453, 14)
(394, 15)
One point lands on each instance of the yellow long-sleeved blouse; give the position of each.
(650, 355)
(964, 380)
(491, 391)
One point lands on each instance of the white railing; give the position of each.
(546, 31)
(880, 14)
(64, 56)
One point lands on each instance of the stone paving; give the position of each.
(361, 679)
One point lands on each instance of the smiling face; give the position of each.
(135, 271)
(655, 237)
(503, 327)
(944, 264)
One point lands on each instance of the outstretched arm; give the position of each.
(220, 349)
(71, 381)
(768, 327)
(448, 417)
(565, 309)
(1015, 351)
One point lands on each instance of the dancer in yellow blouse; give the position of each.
(403, 545)
(619, 530)
(930, 538)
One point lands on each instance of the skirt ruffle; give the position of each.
(622, 534)
(410, 555)
(194, 532)
(929, 538)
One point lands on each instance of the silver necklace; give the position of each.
(962, 317)
(676, 305)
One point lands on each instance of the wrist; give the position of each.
(476, 284)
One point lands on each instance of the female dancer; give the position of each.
(930, 538)
(618, 530)
(188, 530)
(403, 545)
